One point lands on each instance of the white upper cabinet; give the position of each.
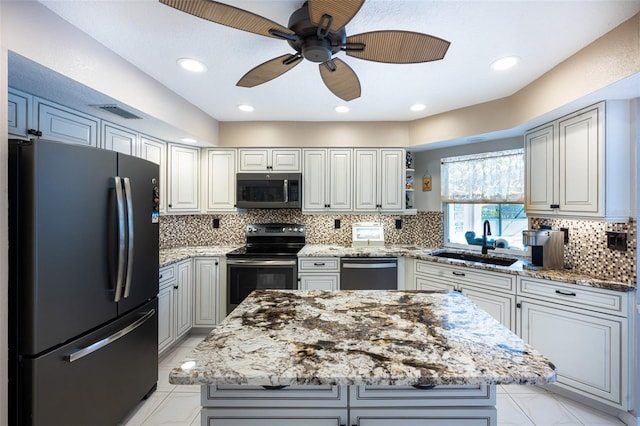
(155, 151)
(58, 123)
(119, 139)
(264, 160)
(184, 176)
(18, 112)
(327, 180)
(379, 175)
(579, 165)
(221, 179)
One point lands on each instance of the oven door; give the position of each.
(246, 275)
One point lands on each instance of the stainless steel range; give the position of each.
(269, 260)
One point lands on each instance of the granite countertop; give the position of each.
(279, 337)
(169, 256)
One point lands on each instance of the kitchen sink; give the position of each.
(473, 257)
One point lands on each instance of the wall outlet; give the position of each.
(398, 223)
(617, 241)
(336, 224)
(216, 223)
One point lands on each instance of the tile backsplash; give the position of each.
(423, 229)
(585, 252)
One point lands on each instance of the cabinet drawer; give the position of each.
(408, 396)
(273, 416)
(319, 264)
(605, 301)
(167, 273)
(458, 416)
(464, 275)
(288, 396)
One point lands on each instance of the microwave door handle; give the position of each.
(286, 190)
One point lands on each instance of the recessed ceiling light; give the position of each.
(342, 109)
(418, 107)
(191, 65)
(189, 140)
(246, 108)
(505, 63)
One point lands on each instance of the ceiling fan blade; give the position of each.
(341, 11)
(230, 16)
(269, 70)
(396, 47)
(341, 80)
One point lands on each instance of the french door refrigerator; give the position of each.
(83, 272)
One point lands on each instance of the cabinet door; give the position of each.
(120, 140)
(207, 292)
(18, 107)
(586, 348)
(183, 178)
(319, 282)
(184, 299)
(62, 124)
(540, 175)
(580, 163)
(391, 175)
(166, 316)
(285, 160)
(366, 179)
(253, 160)
(339, 180)
(500, 306)
(314, 180)
(155, 151)
(221, 180)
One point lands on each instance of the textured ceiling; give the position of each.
(542, 33)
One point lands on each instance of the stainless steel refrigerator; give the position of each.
(83, 272)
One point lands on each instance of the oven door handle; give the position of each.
(253, 262)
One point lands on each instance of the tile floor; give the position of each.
(517, 405)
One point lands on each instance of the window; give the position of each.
(484, 187)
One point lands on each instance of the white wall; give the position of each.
(430, 160)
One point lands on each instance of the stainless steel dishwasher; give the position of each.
(369, 273)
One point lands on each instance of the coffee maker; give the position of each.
(547, 247)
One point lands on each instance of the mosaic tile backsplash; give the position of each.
(423, 229)
(586, 251)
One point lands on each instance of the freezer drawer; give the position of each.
(71, 386)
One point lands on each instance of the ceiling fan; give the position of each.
(317, 32)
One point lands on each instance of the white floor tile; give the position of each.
(544, 410)
(163, 380)
(509, 414)
(145, 409)
(588, 415)
(179, 410)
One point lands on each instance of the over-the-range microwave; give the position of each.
(271, 190)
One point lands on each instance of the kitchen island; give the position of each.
(357, 357)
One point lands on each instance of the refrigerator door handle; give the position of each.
(121, 238)
(81, 353)
(129, 202)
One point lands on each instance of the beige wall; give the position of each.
(297, 134)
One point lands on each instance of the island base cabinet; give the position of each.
(274, 417)
(454, 416)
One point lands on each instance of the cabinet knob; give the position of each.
(459, 274)
(554, 206)
(175, 287)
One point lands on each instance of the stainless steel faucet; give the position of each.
(486, 230)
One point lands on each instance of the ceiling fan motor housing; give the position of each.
(310, 44)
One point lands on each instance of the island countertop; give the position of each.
(279, 338)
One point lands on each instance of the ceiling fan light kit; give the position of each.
(317, 32)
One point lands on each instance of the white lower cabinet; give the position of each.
(349, 405)
(175, 299)
(494, 292)
(575, 329)
(207, 292)
(319, 273)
